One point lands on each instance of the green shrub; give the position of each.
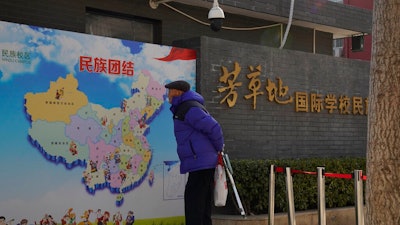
(252, 182)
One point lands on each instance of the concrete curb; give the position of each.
(336, 216)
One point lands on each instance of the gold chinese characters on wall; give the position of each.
(277, 92)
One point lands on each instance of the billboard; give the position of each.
(86, 134)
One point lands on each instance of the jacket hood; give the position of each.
(186, 96)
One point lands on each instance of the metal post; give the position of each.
(321, 195)
(290, 197)
(359, 199)
(271, 204)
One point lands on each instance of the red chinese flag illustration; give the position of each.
(179, 54)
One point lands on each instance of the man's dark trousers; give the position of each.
(198, 197)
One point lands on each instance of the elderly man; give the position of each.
(199, 140)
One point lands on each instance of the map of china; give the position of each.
(110, 143)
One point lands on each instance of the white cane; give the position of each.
(229, 171)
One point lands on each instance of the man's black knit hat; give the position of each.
(179, 85)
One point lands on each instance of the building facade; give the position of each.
(363, 52)
(290, 98)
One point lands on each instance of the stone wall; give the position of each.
(316, 11)
(278, 124)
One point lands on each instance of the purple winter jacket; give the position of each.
(199, 137)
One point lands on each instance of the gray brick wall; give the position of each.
(316, 11)
(273, 130)
(58, 14)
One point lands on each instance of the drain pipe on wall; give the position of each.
(288, 25)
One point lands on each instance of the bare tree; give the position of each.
(383, 150)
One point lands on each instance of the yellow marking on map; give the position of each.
(110, 127)
(147, 156)
(52, 106)
(129, 140)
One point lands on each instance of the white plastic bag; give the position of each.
(221, 186)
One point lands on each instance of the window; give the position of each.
(338, 47)
(357, 43)
(122, 26)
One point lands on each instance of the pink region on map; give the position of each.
(99, 152)
(144, 142)
(136, 160)
(135, 117)
(116, 179)
(154, 88)
(81, 130)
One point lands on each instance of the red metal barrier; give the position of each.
(332, 175)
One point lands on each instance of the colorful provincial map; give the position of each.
(110, 143)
